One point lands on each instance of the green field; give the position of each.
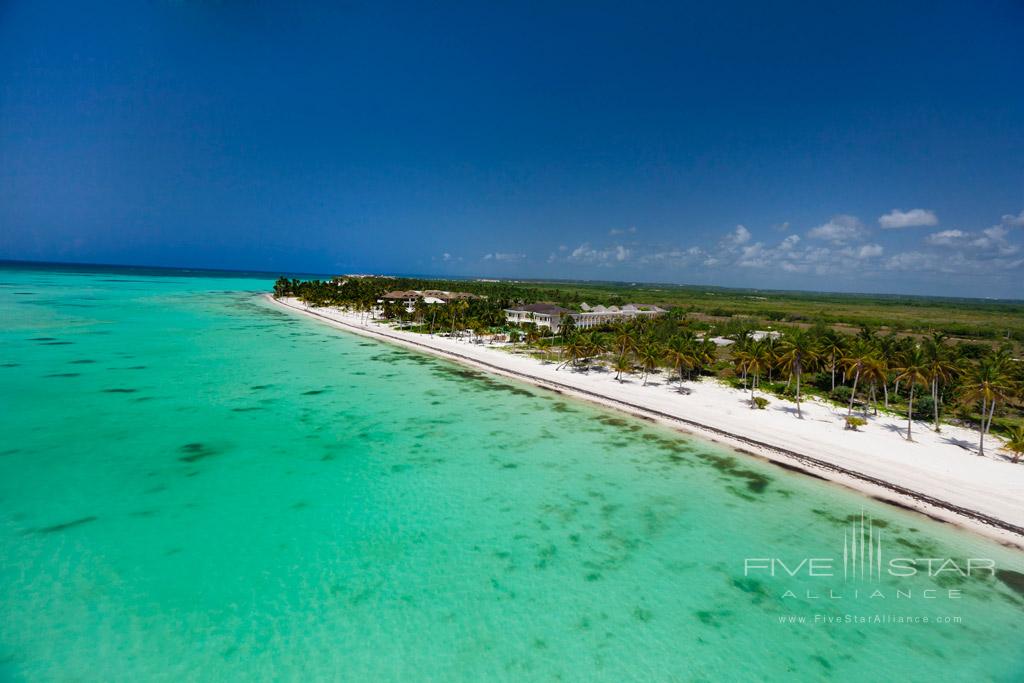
(981, 319)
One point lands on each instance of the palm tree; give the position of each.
(758, 360)
(622, 364)
(1015, 444)
(913, 371)
(649, 356)
(532, 334)
(706, 354)
(941, 368)
(833, 345)
(989, 383)
(741, 359)
(875, 371)
(457, 308)
(679, 355)
(575, 349)
(854, 359)
(623, 340)
(596, 343)
(566, 329)
(771, 354)
(797, 353)
(887, 356)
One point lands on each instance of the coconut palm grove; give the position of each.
(890, 362)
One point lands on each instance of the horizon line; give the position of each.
(512, 280)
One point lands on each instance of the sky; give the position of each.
(868, 147)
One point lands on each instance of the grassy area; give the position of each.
(981, 319)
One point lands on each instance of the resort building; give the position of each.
(596, 316)
(551, 316)
(541, 315)
(428, 296)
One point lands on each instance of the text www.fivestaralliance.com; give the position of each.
(861, 619)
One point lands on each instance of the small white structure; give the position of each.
(758, 335)
(429, 296)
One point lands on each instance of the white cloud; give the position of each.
(908, 219)
(869, 251)
(737, 237)
(789, 243)
(955, 263)
(946, 238)
(994, 238)
(959, 252)
(1015, 221)
(505, 256)
(619, 231)
(754, 256)
(912, 261)
(604, 256)
(839, 230)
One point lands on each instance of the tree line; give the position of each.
(930, 377)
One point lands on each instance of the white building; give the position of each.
(551, 316)
(758, 335)
(541, 315)
(429, 296)
(596, 316)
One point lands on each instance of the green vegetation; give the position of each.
(978, 319)
(1015, 442)
(852, 423)
(865, 351)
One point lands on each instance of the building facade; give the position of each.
(552, 316)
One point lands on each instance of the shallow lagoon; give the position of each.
(194, 484)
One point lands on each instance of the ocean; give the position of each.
(196, 485)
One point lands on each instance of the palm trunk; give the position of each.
(885, 388)
(910, 413)
(833, 371)
(991, 414)
(798, 413)
(853, 394)
(981, 429)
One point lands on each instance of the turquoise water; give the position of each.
(195, 485)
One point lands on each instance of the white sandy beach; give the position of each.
(938, 474)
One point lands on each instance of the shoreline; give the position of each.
(946, 491)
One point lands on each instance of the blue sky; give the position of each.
(840, 146)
